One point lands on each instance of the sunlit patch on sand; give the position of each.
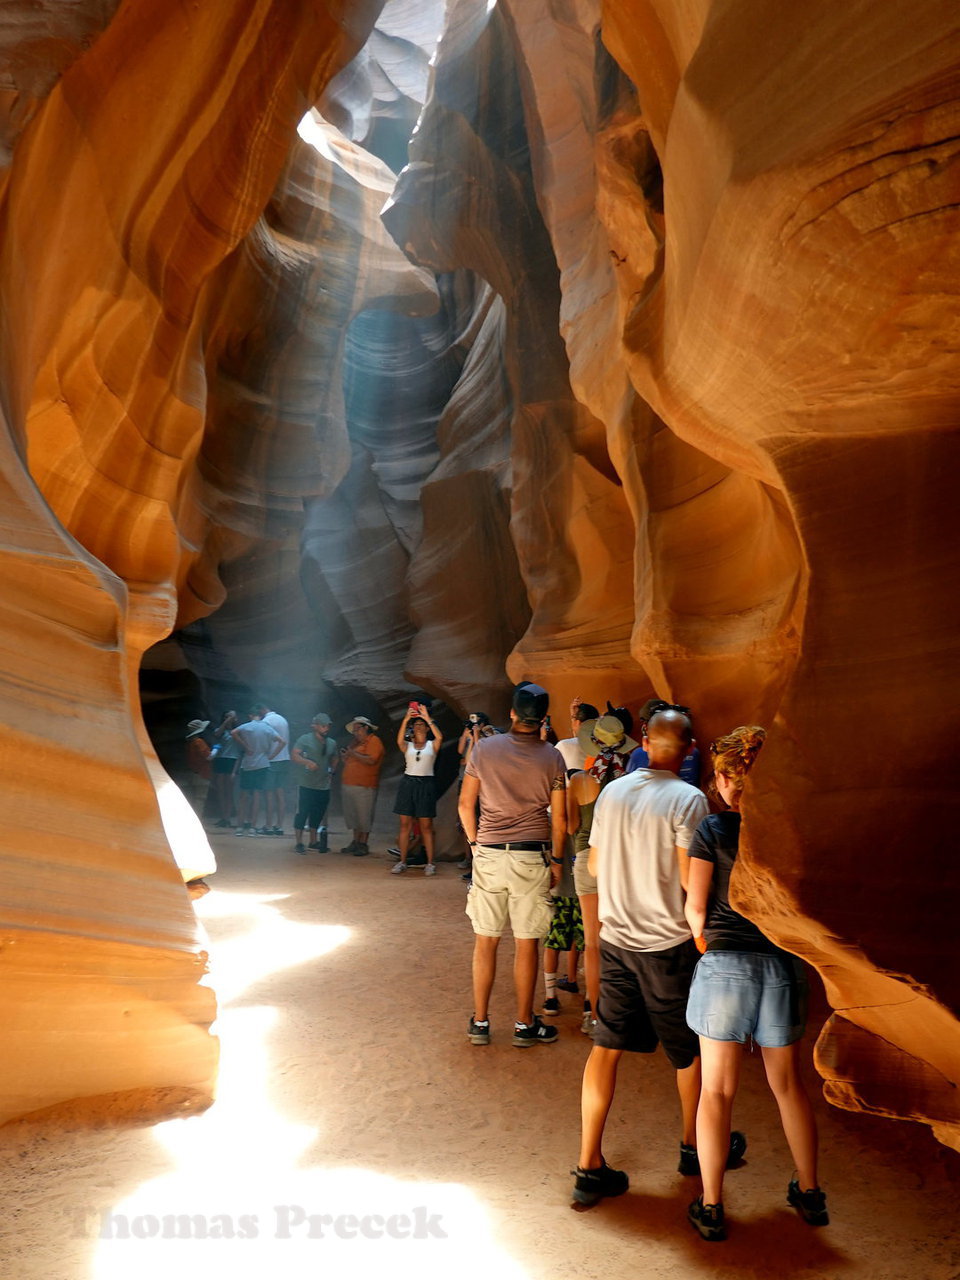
(237, 1202)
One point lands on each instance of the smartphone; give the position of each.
(414, 706)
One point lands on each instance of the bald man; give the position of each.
(643, 824)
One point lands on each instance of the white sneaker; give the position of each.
(400, 867)
(430, 869)
(588, 1023)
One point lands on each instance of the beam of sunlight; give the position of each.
(267, 944)
(183, 829)
(237, 1195)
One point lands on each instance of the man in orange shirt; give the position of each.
(362, 760)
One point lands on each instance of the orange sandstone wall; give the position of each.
(757, 233)
(143, 142)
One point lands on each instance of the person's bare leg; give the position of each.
(688, 1087)
(484, 972)
(526, 963)
(279, 809)
(361, 836)
(720, 1064)
(596, 1095)
(796, 1114)
(591, 948)
(403, 840)
(426, 831)
(254, 808)
(573, 959)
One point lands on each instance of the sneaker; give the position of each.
(222, 822)
(535, 1033)
(588, 1024)
(430, 869)
(395, 853)
(811, 1205)
(462, 865)
(349, 848)
(592, 1185)
(551, 1007)
(478, 1032)
(708, 1219)
(276, 831)
(689, 1164)
(262, 831)
(361, 851)
(240, 831)
(564, 984)
(398, 868)
(315, 844)
(299, 847)
(467, 879)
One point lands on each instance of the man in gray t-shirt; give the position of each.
(643, 824)
(260, 744)
(518, 782)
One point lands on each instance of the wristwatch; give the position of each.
(472, 843)
(557, 861)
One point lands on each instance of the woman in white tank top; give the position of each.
(417, 793)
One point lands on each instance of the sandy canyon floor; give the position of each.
(357, 1132)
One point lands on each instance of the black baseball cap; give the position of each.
(530, 702)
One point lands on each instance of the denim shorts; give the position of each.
(743, 995)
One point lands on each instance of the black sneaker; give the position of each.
(708, 1219)
(276, 831)
(316, 846)
(299, 847)
(592, 1185)
(349, 848)
(478, 1032)
(689, 1164)
(536, 1033)
(551, 1007)
(564, 984)
(361, 851)
(811, 1205)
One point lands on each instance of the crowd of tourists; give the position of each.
(667, 959)
(601, 845)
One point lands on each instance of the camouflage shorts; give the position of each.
(567, 928)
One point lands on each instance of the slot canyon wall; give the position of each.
(613, 345)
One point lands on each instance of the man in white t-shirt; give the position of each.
(274, 798)
(574, 756)
(643, 824)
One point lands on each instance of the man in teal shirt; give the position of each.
(315, 755)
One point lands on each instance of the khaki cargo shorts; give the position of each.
(509, 884)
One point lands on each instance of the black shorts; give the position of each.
(416, 797)
(225, 764)
(643, 1001)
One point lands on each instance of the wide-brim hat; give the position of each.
(606, 731)
(196, 726)
(351, 725)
